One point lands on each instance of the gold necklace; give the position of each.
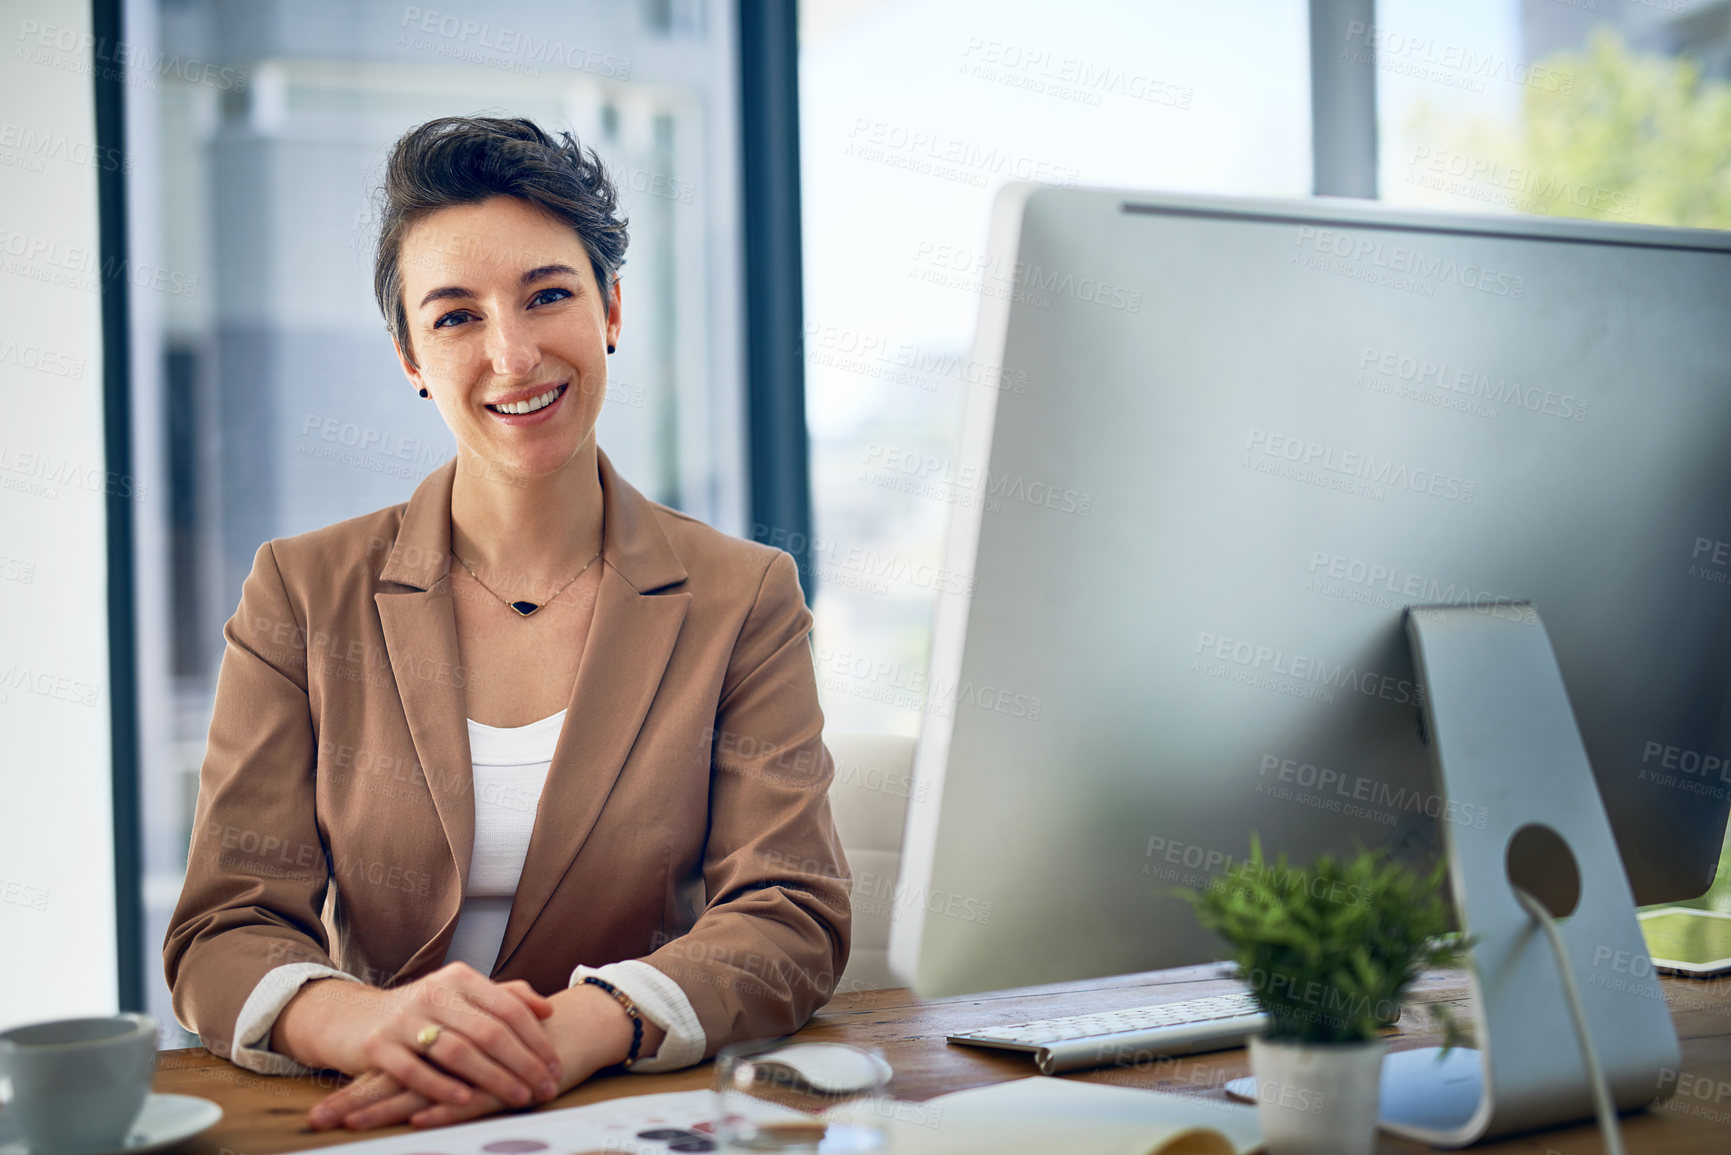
(525, 607)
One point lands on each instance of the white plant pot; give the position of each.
(1317, 1098)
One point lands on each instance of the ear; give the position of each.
(409, 370)
(615, 314)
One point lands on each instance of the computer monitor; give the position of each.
(1242, 437)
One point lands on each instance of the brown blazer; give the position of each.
(684, 821)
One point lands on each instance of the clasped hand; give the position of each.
(492, 1050)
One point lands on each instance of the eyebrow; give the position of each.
(449, 292)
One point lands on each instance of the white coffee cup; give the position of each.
(76, 1086)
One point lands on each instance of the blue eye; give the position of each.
(450, 318)
(542, 297)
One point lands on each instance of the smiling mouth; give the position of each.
(518, 408)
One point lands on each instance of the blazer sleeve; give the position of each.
(256, 872)
(771, 943)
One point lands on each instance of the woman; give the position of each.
(476, 831)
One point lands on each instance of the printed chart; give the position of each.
(682, 1121)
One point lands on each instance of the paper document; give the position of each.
(682, 1121)
(1040, 1114)
(1037, 1116)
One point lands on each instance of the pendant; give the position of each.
(524, 609)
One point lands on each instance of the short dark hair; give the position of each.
(462, 160)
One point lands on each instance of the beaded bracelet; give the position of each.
(631, 1012)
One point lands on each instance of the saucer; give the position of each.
(165, 1120)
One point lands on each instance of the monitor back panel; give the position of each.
(1231, 441)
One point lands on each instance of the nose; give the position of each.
(512, 349)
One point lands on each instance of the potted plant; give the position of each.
(1328, 952)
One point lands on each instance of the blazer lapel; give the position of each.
(421, 639)
(631, 639)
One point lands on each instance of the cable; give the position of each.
(1602, 1104)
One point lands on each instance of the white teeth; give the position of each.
(529, 406)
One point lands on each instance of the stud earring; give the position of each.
(610, 348)
(424, 393)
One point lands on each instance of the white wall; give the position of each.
(57, 946)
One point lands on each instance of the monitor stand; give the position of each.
(1505, 744)
(1504, 739)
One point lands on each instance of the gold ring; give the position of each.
(428, 1036)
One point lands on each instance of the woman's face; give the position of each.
(504, 315)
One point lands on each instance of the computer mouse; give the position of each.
(830, 1068)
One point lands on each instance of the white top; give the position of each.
(510, 766)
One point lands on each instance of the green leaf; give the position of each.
(1325, 947)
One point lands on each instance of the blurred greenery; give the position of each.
(1648, 125)
(1633, 137)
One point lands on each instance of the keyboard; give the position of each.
(1127, 1036)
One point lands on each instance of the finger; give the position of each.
(520, 1007)
(509, 1034)
(505, 1004)
(364, 1091)
(387, 1112)
(460, 1055)
(409, 1069)
(444, 1114)
(461, 1000)
(536, 1001)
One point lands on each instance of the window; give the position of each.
(912, 115)
(265, 386)
(1618, 110)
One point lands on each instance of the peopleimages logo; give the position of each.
(1401, 260)
(1659, 760)
(1343, 793)
(514, 42)
(36, 146)
(1305, 668)
(886, 681)
(44, 258)
(42, 360)
(63, 471)
(990, 274)
(874, 355)
(1512, 186)
(882, 140)
(932, 476)
(1472, 383)
(1356, 467)
(1037, 69)
(46, 684)
(1393, 588)
(1457, 65)
(135, 64)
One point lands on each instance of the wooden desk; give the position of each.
(264, 1115)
